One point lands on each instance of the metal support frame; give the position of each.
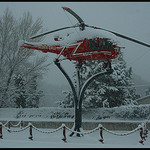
(79, 92)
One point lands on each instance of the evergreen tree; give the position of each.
(19, 94)
(110, 91)
(33, 93)
(26, 96)
(147, 91)
(68, 101)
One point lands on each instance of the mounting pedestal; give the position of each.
(79, 92)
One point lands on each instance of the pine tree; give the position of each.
(113, 89)
(19, 94)
(68, 101)
(33, 94)
(26, 96)
(147, 91)
(107, 91)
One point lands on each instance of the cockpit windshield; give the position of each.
(93, 45)
(105, 44)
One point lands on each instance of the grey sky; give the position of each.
(128, 18)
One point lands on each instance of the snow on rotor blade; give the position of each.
(73, 13)
(33, 37)
(122, 36)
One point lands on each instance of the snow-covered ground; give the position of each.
(54, 140)
(133, 113)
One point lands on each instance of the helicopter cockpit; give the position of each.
(105, 44)
(101, 43)
(93, 44)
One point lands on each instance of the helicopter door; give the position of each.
(93, 44)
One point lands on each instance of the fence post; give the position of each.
(21, 124)
(8, 124)
(141, 135)
(1, 135)
(101, 134)
(30, 130)
(64, 133)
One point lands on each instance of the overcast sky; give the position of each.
(128, 18)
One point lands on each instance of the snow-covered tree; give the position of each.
(115, 88)
(147, 91)
(68, 101)
(108, 90)
(26, 95)
(11, 64)
(20, 92)
(33, 94)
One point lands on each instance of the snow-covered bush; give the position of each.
(133, 112)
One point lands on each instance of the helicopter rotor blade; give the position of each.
(36, 36)
(120, 35)
(82, 25)
(73, 13)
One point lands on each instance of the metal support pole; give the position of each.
(77, 115)
(78, 66)
(68, 78)
(79, 93)
(89, 80)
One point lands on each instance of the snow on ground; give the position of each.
(134, 113)
(53, 140)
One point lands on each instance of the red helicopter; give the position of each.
(89, 45)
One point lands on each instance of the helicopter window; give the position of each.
(105, 44)
(93, 44)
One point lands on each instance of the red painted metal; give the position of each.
(64, 134)
(101, 135)
(30, 130)
(79, 50)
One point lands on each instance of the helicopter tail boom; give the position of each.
(42, 47)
